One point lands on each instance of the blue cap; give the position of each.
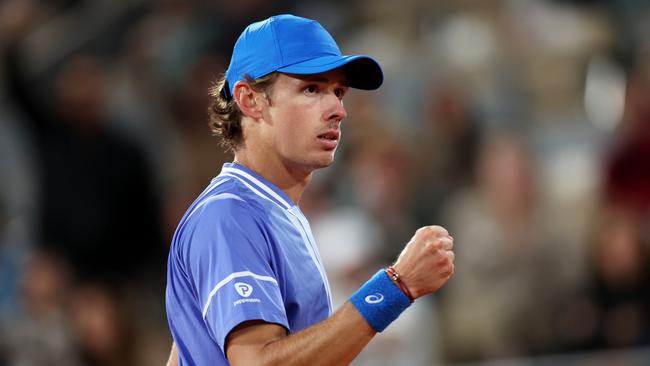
(295, 45)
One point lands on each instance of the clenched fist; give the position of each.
(427, 261)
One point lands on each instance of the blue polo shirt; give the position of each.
(242, 251)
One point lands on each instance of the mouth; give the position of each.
(332, 135)
(329, 140)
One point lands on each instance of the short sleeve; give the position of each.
(230, 265)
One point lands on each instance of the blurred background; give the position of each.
(522, 126)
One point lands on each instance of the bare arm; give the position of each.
(425, 265)
(259, 343)
(335, 341)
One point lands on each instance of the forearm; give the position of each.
(335, 341)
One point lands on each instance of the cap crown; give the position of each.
(295, 45)
(277, 42)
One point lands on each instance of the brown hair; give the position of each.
(225, 115)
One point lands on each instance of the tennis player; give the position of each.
(245, 283)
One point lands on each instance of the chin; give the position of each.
(313, 165)
(324, 165)
(322, 162)
(314, 161)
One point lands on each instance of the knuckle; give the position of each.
(439, 230)
(429, 231)
(443, 261)
(433, 247)
(448, 269)
(444, 243)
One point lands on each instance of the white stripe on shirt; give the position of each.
(231, 277)
(252, 188)
(257, 182)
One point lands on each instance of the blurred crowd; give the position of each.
(522, 126)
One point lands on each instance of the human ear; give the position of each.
(247, 100)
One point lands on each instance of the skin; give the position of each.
(282, 145)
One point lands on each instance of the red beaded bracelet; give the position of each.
(390, 270)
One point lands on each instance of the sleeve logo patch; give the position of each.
(243, 289)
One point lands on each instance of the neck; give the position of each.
(291, 180)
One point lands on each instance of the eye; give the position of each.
(311, 89)
(340, 92)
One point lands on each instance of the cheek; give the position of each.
(293, 127)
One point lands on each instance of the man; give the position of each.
(245, 281)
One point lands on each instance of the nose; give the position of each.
(335, 111)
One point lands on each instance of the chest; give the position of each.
(301, 276)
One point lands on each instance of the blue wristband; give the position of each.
(380, 301)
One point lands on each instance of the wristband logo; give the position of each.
(375, 298)
(243, 289)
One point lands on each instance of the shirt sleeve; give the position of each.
(230, 263)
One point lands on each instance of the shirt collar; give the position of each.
(258, 184)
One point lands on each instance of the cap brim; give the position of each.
(362, 72)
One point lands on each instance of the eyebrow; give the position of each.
(322, 79)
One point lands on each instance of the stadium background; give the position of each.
(523, 126)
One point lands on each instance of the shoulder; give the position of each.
(221, 216)
(225, 201)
